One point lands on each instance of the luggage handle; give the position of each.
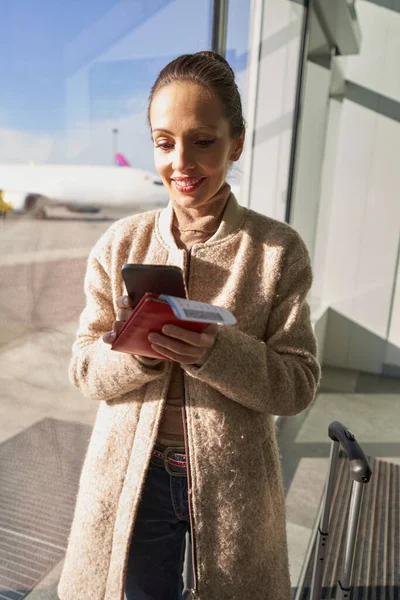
(361, 473)
(359, 466)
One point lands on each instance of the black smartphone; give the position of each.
(157, 279)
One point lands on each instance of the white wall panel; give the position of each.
(368, 68)
(270, 163)
(392, 352)
(265, 167)
(365, 216)
(271, 92)
(379, 235)
(285, 144)
(377, 66)
(326, 199)
(312, 133)
(278, 15)
(392, 70)
(364, 235)
(277, 80)
(348, 207)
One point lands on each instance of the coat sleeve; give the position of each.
(279, 374)
(96, 370)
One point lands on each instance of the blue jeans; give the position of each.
(157, 547)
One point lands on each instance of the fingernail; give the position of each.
(153, 337)
(126, 301)
(113, 335)
(167, 329)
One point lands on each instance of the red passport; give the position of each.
(150, 315)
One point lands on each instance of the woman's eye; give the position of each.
(164, 146)
(205, 143)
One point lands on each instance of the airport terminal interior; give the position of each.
(320, 85)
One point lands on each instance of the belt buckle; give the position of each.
(167, 452)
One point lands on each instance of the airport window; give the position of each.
(75, 155)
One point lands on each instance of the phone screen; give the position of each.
(157, 279)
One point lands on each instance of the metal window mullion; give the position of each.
(299, 97)
(219, 26)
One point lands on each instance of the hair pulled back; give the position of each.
(211, 71)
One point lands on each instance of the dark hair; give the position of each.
(211, 71)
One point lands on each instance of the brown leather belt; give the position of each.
(171, 458)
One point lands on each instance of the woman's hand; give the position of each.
(184, 346)
(125, 310)
(178, 344)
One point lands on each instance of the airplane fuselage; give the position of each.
(78, 185)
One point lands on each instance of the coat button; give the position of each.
(202, 254)
(197, 416)
(207, 581)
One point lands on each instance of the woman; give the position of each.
(214, 401)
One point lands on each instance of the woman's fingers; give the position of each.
(124, 302)
(174, 345)
(182, 345)
(202, 340)
(117, 326)
(124, 314)
(179, 358)
(124, 305)
(109, 337)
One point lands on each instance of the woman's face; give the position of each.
(192, 142)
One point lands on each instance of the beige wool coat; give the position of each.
(264, 365)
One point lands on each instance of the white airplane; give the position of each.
(80, 188)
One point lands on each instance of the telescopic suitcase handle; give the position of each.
(360, 471)
(359, 466)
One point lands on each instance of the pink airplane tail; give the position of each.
(121, 160)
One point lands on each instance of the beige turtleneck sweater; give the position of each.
(190, 226)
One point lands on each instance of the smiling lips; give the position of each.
(188, 184)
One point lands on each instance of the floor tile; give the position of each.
(47, 588)
(371, 384)
(298, 542)
(304, 495)
(371, 417)
(338, 380)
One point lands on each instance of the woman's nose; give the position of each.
(183, 158)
